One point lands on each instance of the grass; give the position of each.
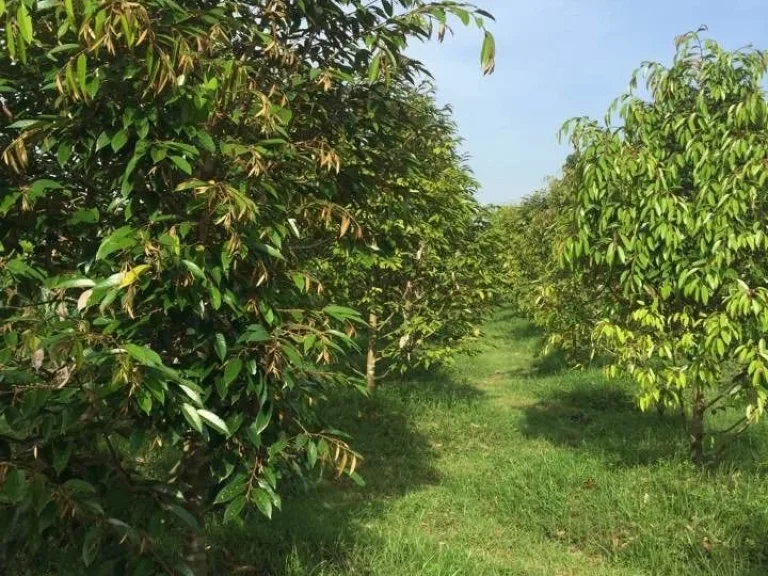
(510, 465)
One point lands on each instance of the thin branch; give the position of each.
(742, 420)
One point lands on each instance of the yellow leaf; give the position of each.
(345, 222)
(82, 302)
(132, 275)
(342, 464)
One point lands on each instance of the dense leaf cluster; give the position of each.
(663, 232)
(186, 192)
(560, 303)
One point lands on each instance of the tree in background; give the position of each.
(557, 301)
(668, 219)
(164, 168)
(421, 267)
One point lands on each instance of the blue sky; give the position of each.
(557, 59)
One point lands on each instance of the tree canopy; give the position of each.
(172, 174)
(668, 226)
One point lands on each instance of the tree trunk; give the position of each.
(196, 554)
(697, 427)
(193, 471)
(370, 364)
(683, 415)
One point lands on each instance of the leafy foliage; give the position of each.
(166, 170)
(559, 302)
(669, 224)
(424, 273)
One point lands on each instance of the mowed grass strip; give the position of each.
(507, 464)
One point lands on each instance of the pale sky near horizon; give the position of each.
(557, 59)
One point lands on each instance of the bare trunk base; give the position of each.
(196, 555)
(370, 364)
(696, 428)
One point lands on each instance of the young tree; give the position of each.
(420, 267)
(163, 164)
(669, 213)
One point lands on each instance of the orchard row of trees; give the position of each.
(211, 212)
(655, 260)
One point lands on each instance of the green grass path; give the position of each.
(503, 466)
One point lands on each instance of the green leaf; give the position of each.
(61, 455)
(214, 421)
(144, 355)
(485, 13)
(40, 186)
(8, 202)
(91, 545)
(182, 164)
(10, 42)
(15, 485)
(10, 339)
(158, 153)
(309, 342)
(488, 53)
(84, 216)
(102, 141)
(78, 486)
(194, 269)
(144, 400)
(63, 153)
(184, 515)
(193, 395)
(24, 22)
(357, 479)
(232, 489)
(263, 501)
(373, 68)
(221, 346)
(234, 509)
(206, 140)
(63, 48)
(119, 140)
(311, 454)
(70, 10)
(341, 312)
(191, 415)
(267, 249)
(255, 333)
(463, 15)
(118, 240)
(74, 283)
(24, 124)
(299, 280)
(82, 69)
(262, 419)
(215, 296)
(232, 370)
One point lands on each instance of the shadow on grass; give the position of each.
(508, 313)
(523, 330)
(320, 526)
(604, 419)
(437, 387)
